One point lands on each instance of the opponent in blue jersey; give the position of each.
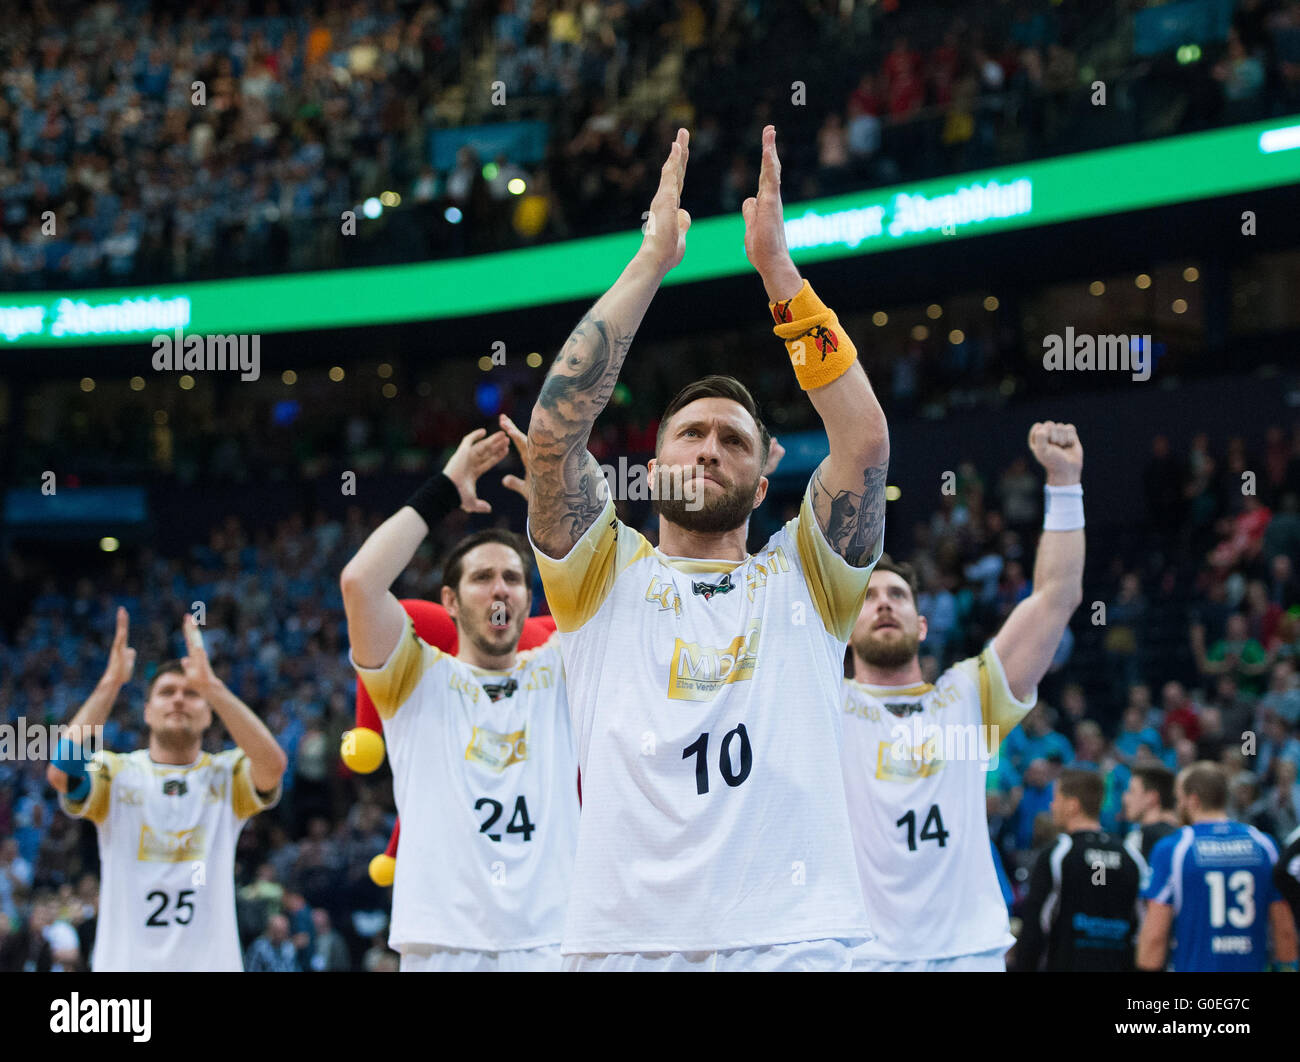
(1212, 885)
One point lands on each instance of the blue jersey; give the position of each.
(1218, 878)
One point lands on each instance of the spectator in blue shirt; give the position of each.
(1035, 798)
(273, 951)
(1133, 732)
(1034, 739)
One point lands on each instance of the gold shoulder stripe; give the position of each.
(244, 798)
(391, 686)
(578, 583)
(837, 588)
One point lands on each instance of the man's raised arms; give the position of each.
(848, 488)
(94, 713)
(1029, 638)
(566, 490)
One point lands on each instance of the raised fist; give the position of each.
(1057, 448)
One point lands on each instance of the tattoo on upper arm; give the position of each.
(567, 487)
(853, 522)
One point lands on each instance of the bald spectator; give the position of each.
(273, 951)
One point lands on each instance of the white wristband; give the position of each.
(1063, 508)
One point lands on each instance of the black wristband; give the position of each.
(435, 500)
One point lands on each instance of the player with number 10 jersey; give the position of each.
(703, 679)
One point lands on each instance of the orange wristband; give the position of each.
(819, 349)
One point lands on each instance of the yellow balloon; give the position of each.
(363, 750)
(382, 868)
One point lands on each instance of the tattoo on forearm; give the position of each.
(567, 482)
(853, 522)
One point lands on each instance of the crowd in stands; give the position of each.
(139, 145)
(1225, 686)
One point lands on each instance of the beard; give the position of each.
(703, 517)
(888, 652)
(176, 739)
(490, 641)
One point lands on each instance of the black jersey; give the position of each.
(1144, 838)
(1082, 911)
(1286, 875)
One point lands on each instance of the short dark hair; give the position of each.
(717, 387)
(453, 566)
(1085, 786)
(1158, 780)
(900, 568)
(1208, 782)
(167, 667)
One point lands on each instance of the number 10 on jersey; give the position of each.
(699, 748)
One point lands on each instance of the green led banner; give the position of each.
(1093, 184)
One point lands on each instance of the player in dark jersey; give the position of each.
(1212, 888)
(1081, 912)
(1286, 875)
(1149, 808)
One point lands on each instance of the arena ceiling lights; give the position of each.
(1091, 184)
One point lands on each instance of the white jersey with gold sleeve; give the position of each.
(706, 704)
(486, 782)
(915, 765)
(167, 859)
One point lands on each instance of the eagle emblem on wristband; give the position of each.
(825, 340)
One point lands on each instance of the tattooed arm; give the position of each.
(566, 490)
(848, 488)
